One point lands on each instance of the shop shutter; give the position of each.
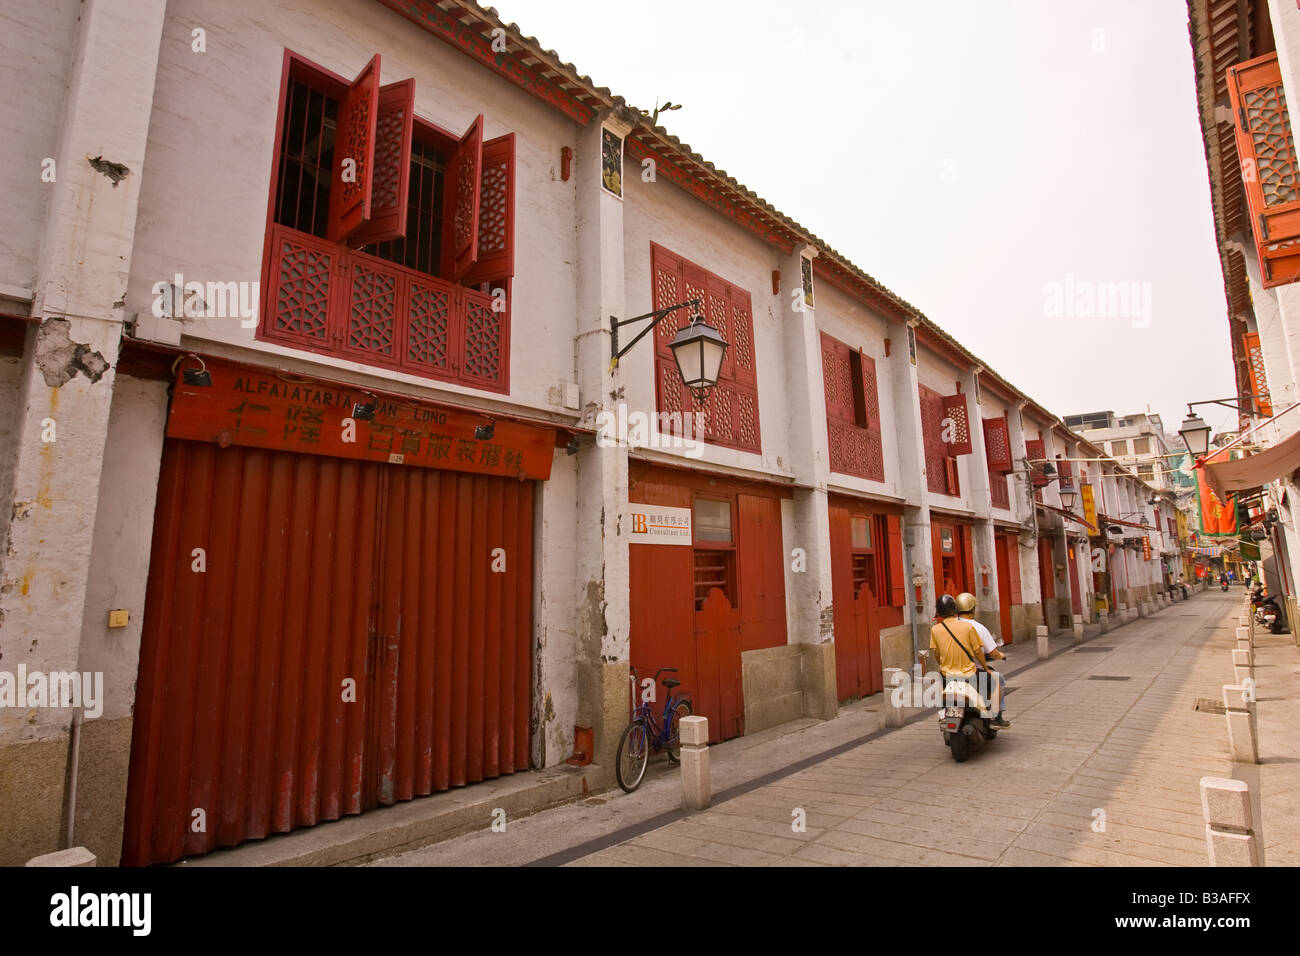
(496, 215)
(954, 410)
(898, 585)
(461, 203)
(391, 183)
(1269, 170)
(762, 572)
(351, 182)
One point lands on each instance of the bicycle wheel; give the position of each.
(674, 745)
(633, 755)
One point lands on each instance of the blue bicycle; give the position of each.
(646, 735)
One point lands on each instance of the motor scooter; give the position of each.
(1267, 611)
(961, 719)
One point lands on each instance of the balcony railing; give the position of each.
(330, 299)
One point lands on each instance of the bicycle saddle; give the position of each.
(670, 683)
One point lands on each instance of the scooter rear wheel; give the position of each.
(960, 746)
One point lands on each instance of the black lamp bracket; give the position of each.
(615, 353)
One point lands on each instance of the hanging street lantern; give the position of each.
(1195, 434)
(699, 350)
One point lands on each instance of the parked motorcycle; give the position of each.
(1223, 586)
(960, 722)
(1267, 611)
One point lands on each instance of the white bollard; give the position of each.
(894, 714)
(1239, 699)
(73, 856)
(1241, 665)
(1229, 824)
(697, 785)
(1103, 618)
(1077, 622)
(1041, 634)
(1123, 613)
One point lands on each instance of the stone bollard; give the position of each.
(1244, 643)
(1077, 622)
(1042, 642)
(1239, 699)
(894, 713)
(1241, 665)
(1103, 617)
(1123, 614)
(1229, 824)
(73, 856)
(697, 785)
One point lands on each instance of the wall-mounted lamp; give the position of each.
(195, 377)
(698, 349)
(485, 432)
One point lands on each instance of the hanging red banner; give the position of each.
(261, 408)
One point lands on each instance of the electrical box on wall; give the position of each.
(118, 618)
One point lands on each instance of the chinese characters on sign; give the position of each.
(1146, 548)
(251, 407)
(657, 524)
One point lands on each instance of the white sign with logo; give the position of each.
(658, 524)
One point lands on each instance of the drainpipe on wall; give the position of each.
(911, 588)
(74, 759)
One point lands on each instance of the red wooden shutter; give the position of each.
(1065, 470)
(897, 584)
(968, 544)
(1269, 171)
(461, 203)
(496, 215)
(355, 141)
(391, 182)
(1036, 452)
(931, 433)
(997, 445)
(1258, 380)
(871, 392)
(954, 408)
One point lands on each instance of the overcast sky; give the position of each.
(992, 163)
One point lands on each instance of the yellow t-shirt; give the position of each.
(952, 662)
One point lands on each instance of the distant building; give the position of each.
(1137, 440)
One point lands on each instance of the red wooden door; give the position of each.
(718, 689)
(856, 609)
(762, 572)
(1004, 586)
(339, 641)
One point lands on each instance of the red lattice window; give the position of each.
(730, 412)
(1270, 173)
(388, 265)
(852, 410)
(999, 494)
(997, 446)
(1258, 378)
(940, 466)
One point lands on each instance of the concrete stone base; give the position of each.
(772, 679)
(896, 645)
(74, 856)
(819, 694)
(32, 777)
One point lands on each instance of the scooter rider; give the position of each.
(955, 645)
(966, 612)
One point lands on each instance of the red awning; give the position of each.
(1254, 471)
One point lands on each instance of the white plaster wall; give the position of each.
(37, 40)
(208, 173)
(555, 557)
(119, 563)
(661, 212)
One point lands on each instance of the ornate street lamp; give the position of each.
(1195, 434)
(1068, 497)
(698, 349)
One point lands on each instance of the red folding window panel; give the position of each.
(391, 182)
(997, 446)
(852, 410)
(957, 418)
(354, 155)
(897, 583)
(461, 203)
(1269, 170)
(496, 209)
(1258, 378)
(1036, 452)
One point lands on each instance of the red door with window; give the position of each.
(1003, 557)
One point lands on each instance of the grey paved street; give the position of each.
(1095, 771)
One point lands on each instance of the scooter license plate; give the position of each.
(954, 712)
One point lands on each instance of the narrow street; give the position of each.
(1100, 767)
